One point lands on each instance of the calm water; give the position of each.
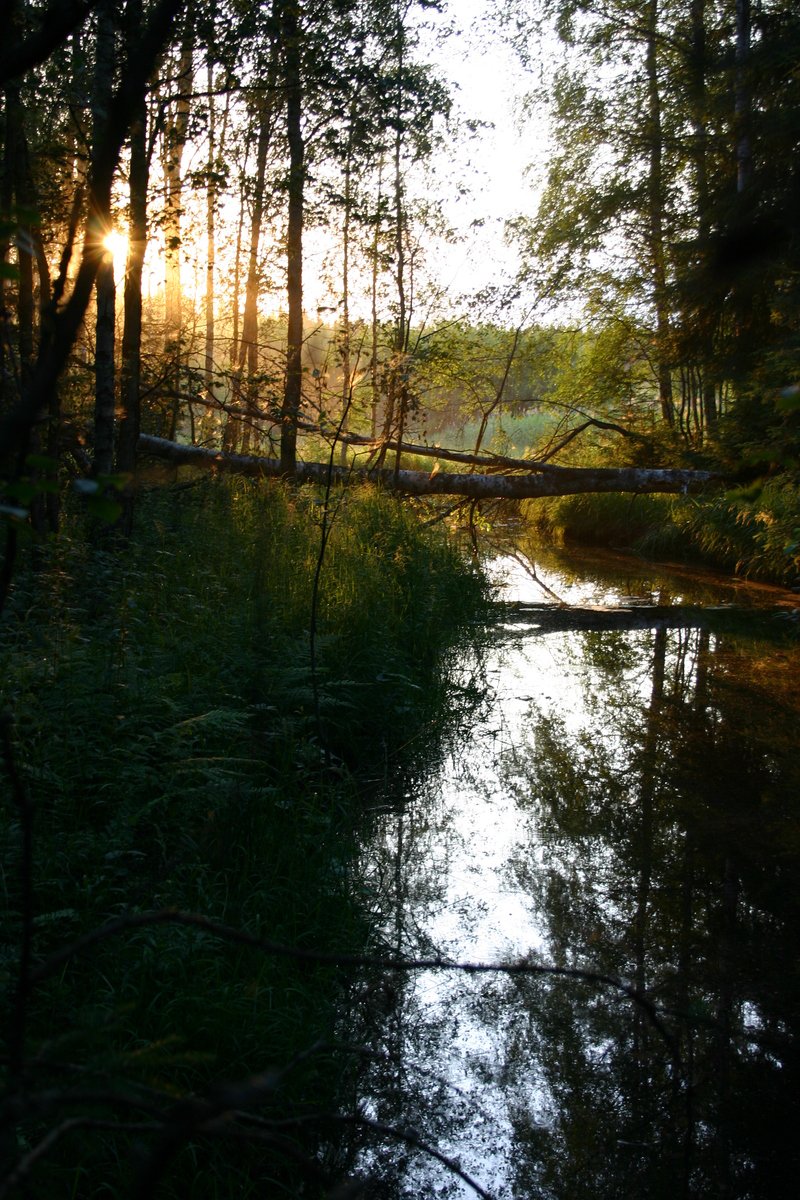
(627, 804)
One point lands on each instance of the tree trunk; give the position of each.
(373, 358)
(14, 30)
(290, 412)
(230, 434)
(211, 244)
(398, 383)
(25, 255)
(130, 383)
(105, 291)
(742, 100)
(173, 146)
(655, 199)
(698, 109)
(546, 480)
(248, 346)
(345, 334)
(15, 424)
(644, 840)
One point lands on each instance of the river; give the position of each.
(623, 806)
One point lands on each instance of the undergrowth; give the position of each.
(166, 729)
(753, 532)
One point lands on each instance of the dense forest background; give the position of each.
(221, 233)
(265, 179)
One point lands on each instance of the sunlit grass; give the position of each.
(753, 533)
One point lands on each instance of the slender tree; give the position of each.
(105, 323)
(131, 368)
(292, 81)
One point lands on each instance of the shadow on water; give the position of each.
(624, 802)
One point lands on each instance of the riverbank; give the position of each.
(194, 724)
(752, 532)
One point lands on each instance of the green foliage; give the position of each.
(506, 433)
(608, 518)
(753, 531)
(165, 729)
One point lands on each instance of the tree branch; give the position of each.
(58, 21)
(240, 937)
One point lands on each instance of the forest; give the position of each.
(254, 452)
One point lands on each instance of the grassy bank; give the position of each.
(753, 532)
(181, 749)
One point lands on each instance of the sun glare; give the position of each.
(117, 245)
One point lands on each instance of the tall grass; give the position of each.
(165, 728)
(753, 532)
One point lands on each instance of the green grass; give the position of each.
(753, 532)
(165, 727)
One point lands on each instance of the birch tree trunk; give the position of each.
(131, 369)
(105, 291)
(174, 143)
(542, 480)
(292, 397)
(698, 109)
(655, 198)
(211, 243)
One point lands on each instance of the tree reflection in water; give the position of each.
(646, 828)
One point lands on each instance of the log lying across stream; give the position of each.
(551, 618)
(540, 479)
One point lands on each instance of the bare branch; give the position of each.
(520, 967)
(58, 21)
(21, 1170)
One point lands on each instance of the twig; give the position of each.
(529, 568)
(520, 967)
(412, 1138)
(210, 1114)
(406, 1134)
(23, 1167)
(23, 1104)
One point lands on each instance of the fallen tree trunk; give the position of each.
(513, 618)
(555, 481)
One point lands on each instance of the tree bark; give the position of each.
(248, 344)
(57, 22)
(211, 233)
(292, 397)
(373, 358)
(655, 196)
(698, 104)
(742, 101)
(105, 291)
(175, 136)
(552, 618)
(546, 481)
(131, 369)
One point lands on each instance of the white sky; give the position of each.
(488, 178)
(508, 160)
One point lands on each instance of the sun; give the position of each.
(117, 245)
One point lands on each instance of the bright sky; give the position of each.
(508, 160)
(483, 180)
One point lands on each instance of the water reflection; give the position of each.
(627, 804)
